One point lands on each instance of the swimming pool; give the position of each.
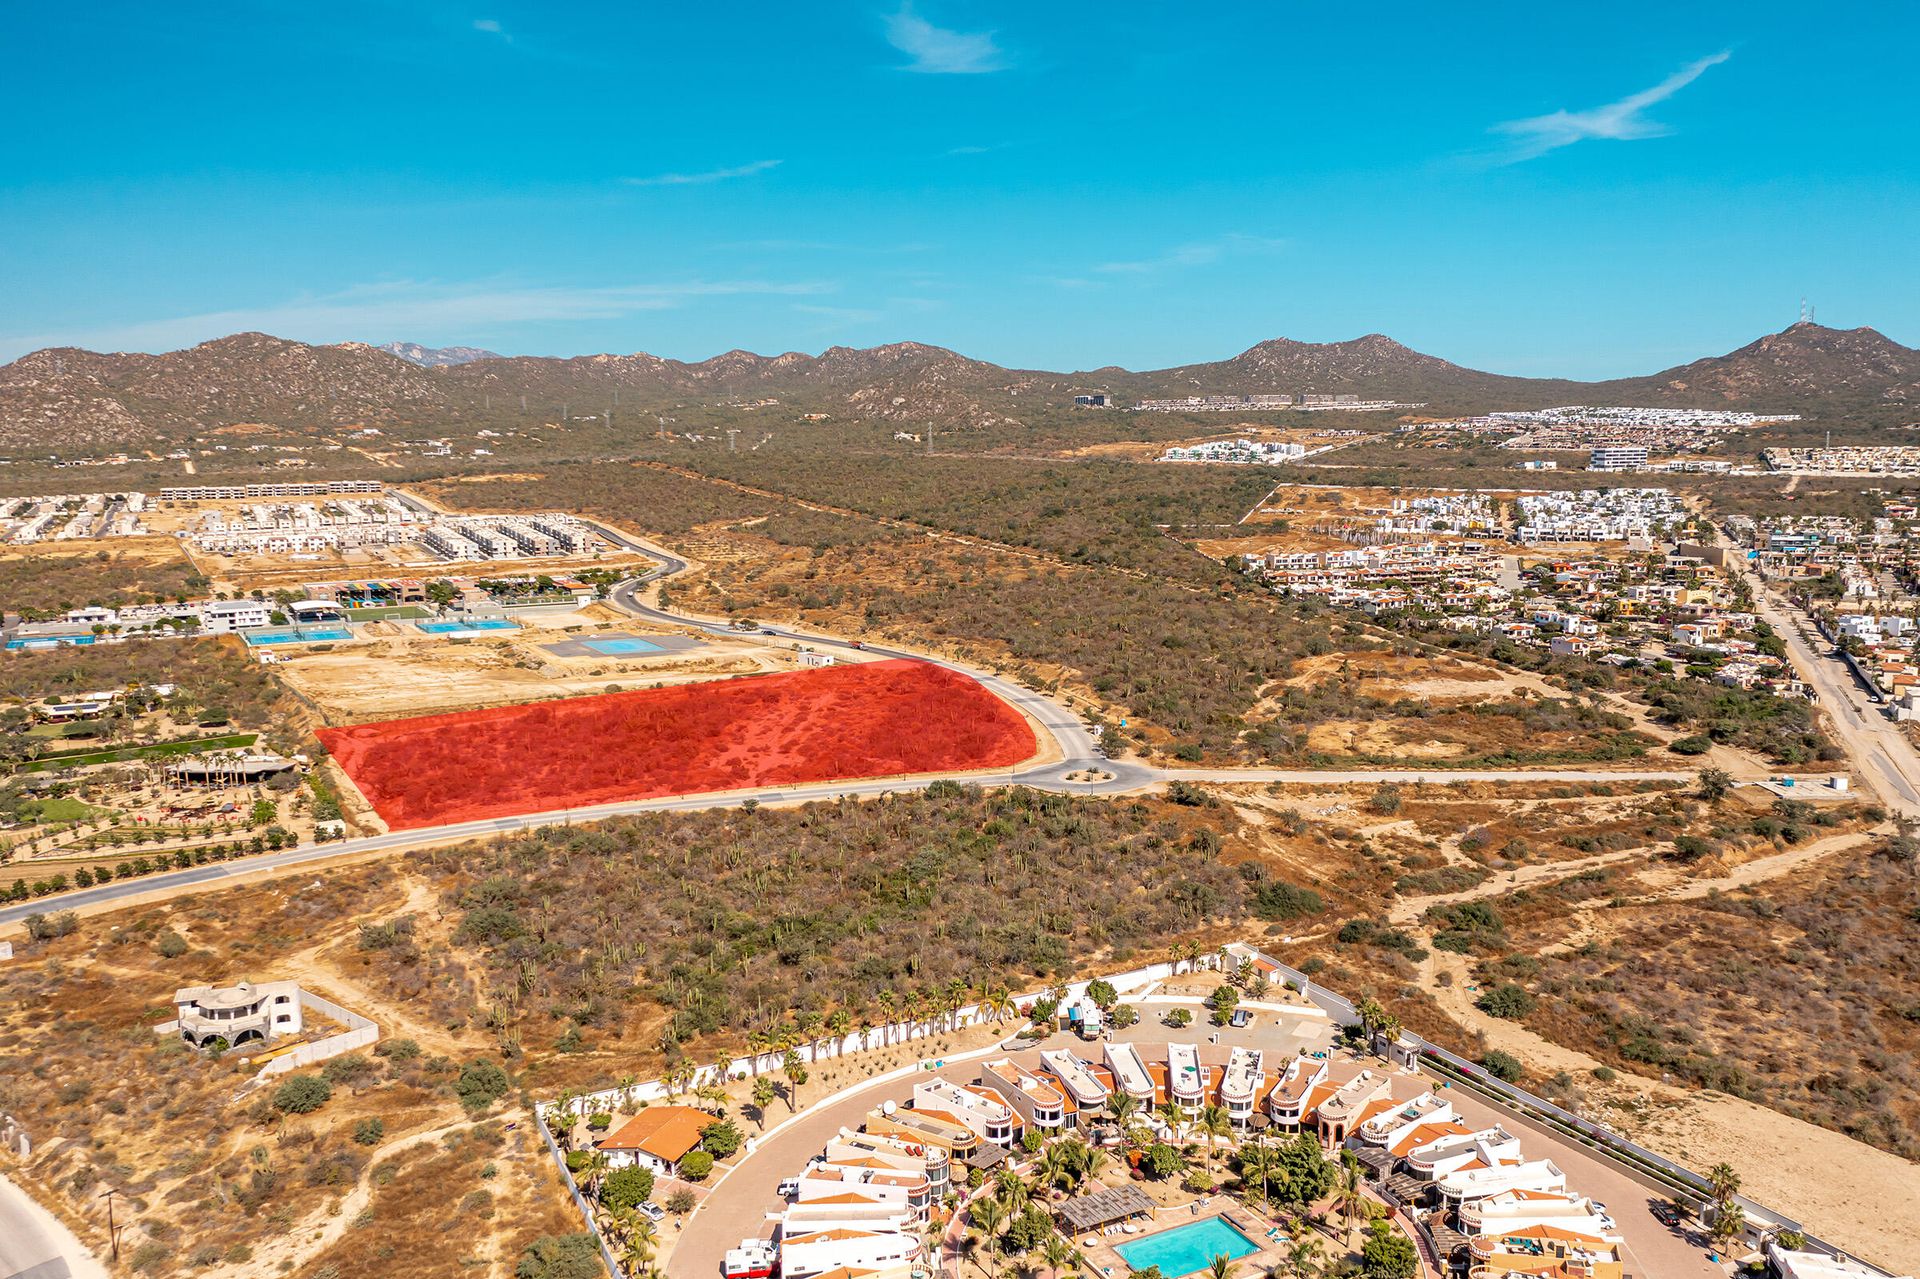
(613, 645)
(474, 627)
(1187, 1249)
(296, 635)
(50, 641)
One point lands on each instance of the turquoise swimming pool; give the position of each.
(49, 641)
(1187, 1249)
(296, 635)
(613, 645)
(468, 628)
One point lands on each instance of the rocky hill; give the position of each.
(436, 357)
(1807, 363)
(73, 401)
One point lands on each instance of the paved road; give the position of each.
(1880, 753)
(1079, 757)
(34, 1246)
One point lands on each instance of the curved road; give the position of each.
(1077, 747)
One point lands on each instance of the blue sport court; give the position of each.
(296, 635)
(478, 626)
(1188, 1249)
(615, 645)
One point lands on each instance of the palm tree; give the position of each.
(1214, 1122)
(763, 1094)
(957, 992)
(987, 1216)
(1304, 1254)
(1011, 1189)
(796, 1074)
(1371, 1014)
(885, 1000)
(626, 1084)
(1122, 1106)
(1257, 1162)
(1348, 1196)
(595, 1172)
(757, 1044)
(839, 1021)
(1058, 1252)
(714, 1095)
(1220, 1267)
(997, 1003)
(562, 1114)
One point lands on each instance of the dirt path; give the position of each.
(296, 1247)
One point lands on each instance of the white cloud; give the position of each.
(375, 312)
(938, 51)
(1198, 253)
(490, 25)
(1622, 121)
(698, 179)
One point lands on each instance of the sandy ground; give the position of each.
(1864, 1199)
(401, 674)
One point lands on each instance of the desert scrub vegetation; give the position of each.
(209, 1167)
(214, 675)
(47, 582)
(1089, 512)
(1804, 997)
(711, 926)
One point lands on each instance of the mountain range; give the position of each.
(436, 357)
(73, 401)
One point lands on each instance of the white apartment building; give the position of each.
(219, 617)
(1129, 1072)
(1240, 1086)
(982, 1111)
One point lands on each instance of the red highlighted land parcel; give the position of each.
(871, 719)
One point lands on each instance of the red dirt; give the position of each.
(873, 719)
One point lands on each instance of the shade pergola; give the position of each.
(1104, 1207)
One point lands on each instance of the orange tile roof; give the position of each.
(665, 1132)
(1427, 1134)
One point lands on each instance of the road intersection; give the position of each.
(1077, 767)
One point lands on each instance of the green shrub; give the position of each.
(560, 1257)
(369, 1131)
(481, 1083)
(1506, 1001)
(626, 1188)
(1502, 1065)
(302, 1095)
(696, 1165)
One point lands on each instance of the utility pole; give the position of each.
(113, 1231)
(732, 438)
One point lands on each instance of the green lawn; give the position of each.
(158, 750)
(64, 809)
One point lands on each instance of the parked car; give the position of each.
(790, 1187)
(653, 1212)
(1241, 1019)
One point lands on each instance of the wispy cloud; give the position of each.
(1196, 253)
(1622, 121)
(374, 312)
(938, 51)
(489, 25)
(698, 179)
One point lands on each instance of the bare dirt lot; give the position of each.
(403, 672)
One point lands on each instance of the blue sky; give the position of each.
(1539, 189)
